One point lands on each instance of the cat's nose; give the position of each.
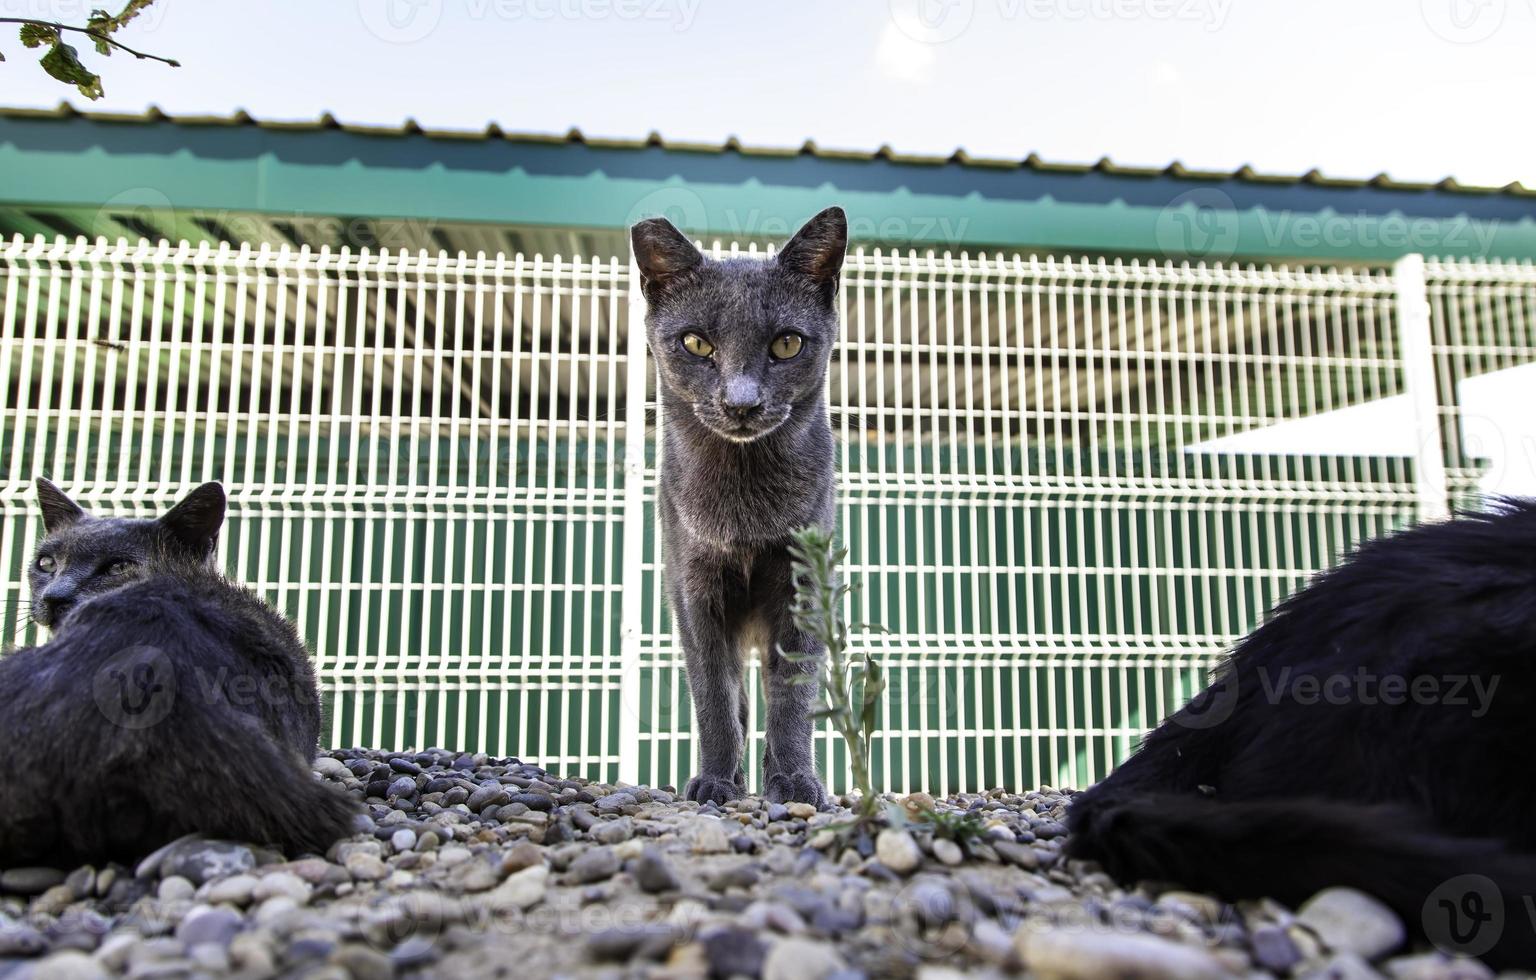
(55, 606)
(743, 396)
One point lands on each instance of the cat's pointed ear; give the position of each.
(195, 521)
(58, 510)
(817, 249)
(664, 254)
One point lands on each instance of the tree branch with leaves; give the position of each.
(62, 61)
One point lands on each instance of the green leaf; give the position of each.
(874, 686)
(869, 627)
(130, 11)
(101, 25)
(37, 35)
(63, 63)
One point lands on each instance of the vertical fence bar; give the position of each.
(631, 584)
(1412, 298)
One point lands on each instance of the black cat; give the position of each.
(168, 700)
(742, 347)
(1375, 733)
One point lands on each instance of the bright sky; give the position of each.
(1419, 88)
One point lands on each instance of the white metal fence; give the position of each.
(1056, 484)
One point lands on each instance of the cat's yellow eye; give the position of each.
(697, 346)
(786, 345)
(45, 563)
(119, 567)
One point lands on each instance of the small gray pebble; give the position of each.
(597, 864)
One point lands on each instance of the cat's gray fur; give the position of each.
(748, 458)
(168, 700)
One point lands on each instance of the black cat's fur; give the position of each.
(168, 701)
(1268, 784)
(748, 458)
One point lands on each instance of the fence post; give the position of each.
(1414, 342)
(631, 584)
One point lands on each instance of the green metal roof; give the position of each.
(322, 181)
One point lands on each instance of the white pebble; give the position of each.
(274, 908)
(948, 851)
(1349, 921)
(628, 849)
(332, 768)
(1066, 953)
(282, 883)
(520, 891)
(366, 867)
(898, 851)
(234, 890)
(174, 889)
(68, 965)
(449, 856)
(708, 836)
(801, 959)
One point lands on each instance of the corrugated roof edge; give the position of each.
(959, 157)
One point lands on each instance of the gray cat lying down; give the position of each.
(168, 700)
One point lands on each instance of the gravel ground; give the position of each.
(474, 867)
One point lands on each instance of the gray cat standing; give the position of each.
(742, 346)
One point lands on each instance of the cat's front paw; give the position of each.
(712, 789)
(795, 787)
